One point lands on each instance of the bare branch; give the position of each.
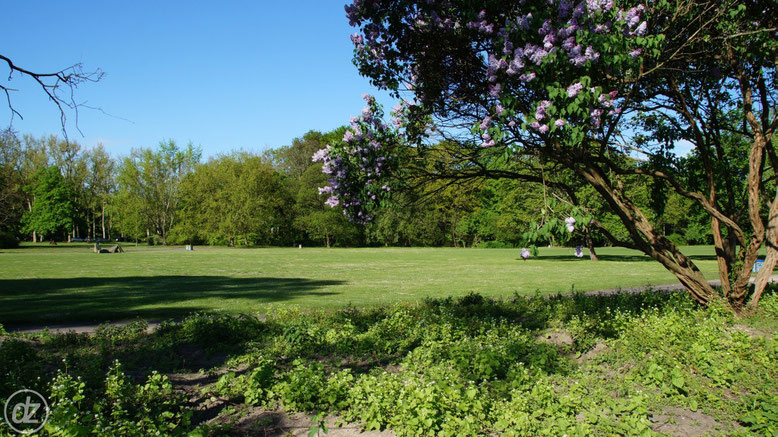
(52, 85)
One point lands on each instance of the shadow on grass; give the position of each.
(29, 301)
(614, 258)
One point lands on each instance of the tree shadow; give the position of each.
(615, 258)
(27, 301)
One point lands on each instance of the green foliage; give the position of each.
(123, 408)
(52, 207)
(239, 199)
(321, 223)
(465, 366)
(150, 182)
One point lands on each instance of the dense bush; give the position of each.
(8, 241)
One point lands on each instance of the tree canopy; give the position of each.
(601, 90)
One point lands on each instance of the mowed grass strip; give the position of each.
(69, 283)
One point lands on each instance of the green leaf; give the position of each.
(678, 381)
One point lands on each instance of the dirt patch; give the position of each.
(681, 422)
(260, 422)
(557, 337)
(751, 332)
(598, 349)
(195, 356)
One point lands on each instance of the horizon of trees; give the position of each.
(53, 189)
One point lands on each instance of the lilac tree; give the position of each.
(545, 84)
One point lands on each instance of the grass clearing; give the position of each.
(68, 283)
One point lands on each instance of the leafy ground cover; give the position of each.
(576, 365)
(41, 284)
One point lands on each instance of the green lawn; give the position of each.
(69, 283)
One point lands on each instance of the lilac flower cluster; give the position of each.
(356, 164)
(570, 224)
(574, 89)
(632, 20)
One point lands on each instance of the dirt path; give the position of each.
(90, 328)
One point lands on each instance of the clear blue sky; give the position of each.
(223, 75)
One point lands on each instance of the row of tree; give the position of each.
(53, 189)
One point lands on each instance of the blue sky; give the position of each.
(225, 76)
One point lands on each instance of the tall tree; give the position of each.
(52, 208)
(559, 82)
(98, 186)
(11, 186)
(236, 197)
(295, 158)
(152, 179)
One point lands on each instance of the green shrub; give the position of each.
(8, 241)
(122, 408)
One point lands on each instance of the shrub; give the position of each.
(8, 241)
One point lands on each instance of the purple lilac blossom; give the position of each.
(593, 6)
(559, 123)
(641, 30)
(540, 112)
(632, 17)
(565, 7)
(321, 155)
(635, 53)
(543, 128)
(332, 202)
(495, 90)
(591, 54)
(574, 89)
(580, 10)
(524, 21)
(538, 56)
(568, 44)
(527, 77)
(486, 123)
(549, 40)
(515, 66)
(545, 28)
(570, 222)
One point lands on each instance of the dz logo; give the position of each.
(26, 411)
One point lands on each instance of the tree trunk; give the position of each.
(771, 241)
(590, 244)
(29, 208)
(327, 240)
(741, 286)
(645, 237)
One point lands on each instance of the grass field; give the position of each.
(66, 283)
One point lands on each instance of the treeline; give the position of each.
(56, 190)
